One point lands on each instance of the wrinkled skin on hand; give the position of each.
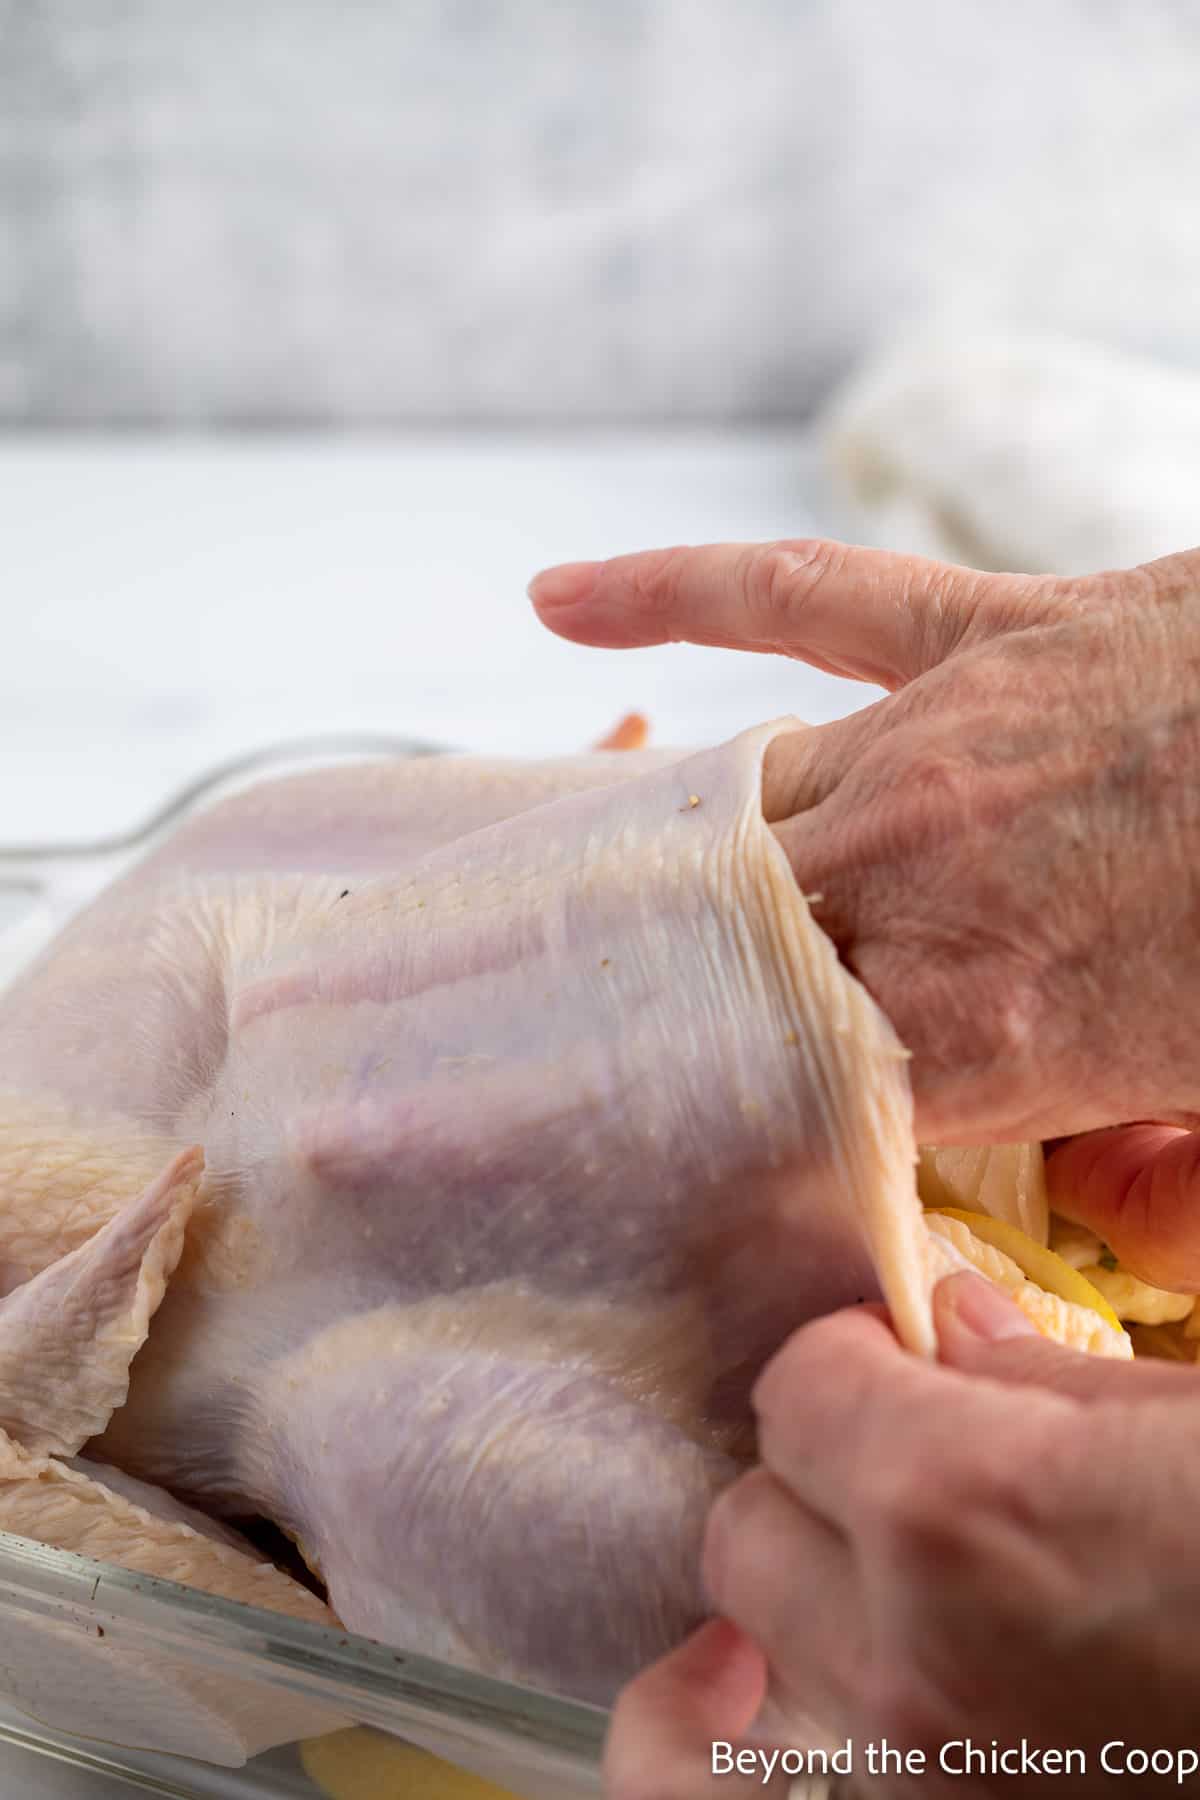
(1000, 1547)
(1007, 847)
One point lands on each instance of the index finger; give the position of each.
(847, 1418)
(819, 1402)
(869, 614)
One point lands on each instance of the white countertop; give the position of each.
(169, 603)
(166, 602)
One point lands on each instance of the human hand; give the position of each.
(1006, 848)
(928, 1558)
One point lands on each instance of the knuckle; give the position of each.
(942, 781)
(977, 1028)
(962, 610)
(900, 1707)
(1013, 602)
(950, 607)
(941, 1505)
(654, 586)
(1069, 1448)
(780, 1379)
(776, 580)
(798, 1367)
(1017, 1016)
(950, 597)
(1015, 984)
(908, 1507)
(1057, 597)
(908, 1496)
(729, 1537)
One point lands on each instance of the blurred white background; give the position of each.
(255, 211)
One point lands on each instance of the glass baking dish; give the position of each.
(533, 1744)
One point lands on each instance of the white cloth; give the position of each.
(1018, 452)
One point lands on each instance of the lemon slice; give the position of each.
(360, 1764)
(1035, 1262)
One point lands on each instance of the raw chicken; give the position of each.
(68, 1336)
(535, 1112)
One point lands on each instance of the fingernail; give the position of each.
(565, 585)
(980, 1308)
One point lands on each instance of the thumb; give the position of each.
(1138, 1188)
(982, 1333)
(664, 1726)
(865, 613)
